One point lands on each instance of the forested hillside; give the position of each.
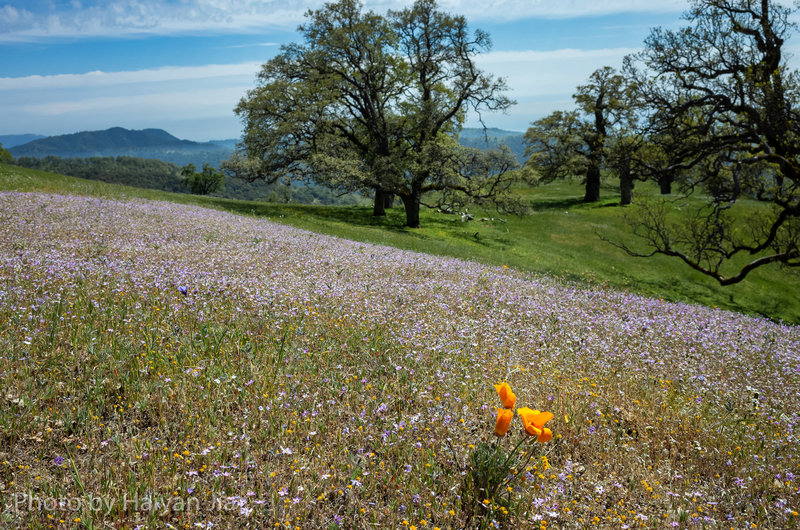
(147, 143)
(12, 140)
(165, 176)
(493, 138)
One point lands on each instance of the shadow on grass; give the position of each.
(434, 226)
(573, 203)
(355, 216)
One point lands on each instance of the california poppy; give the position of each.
(534, 421)
(507, 397)
(504, 417)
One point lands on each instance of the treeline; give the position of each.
(126, 170)
(710, 108)
(166, 176)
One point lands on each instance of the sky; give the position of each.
(183, 65)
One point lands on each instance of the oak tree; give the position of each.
(372, 102)
(588, 139)
(723, 117)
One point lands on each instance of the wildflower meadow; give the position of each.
(169, 366)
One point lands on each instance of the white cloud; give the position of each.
(536, 72)
(191, 102)
(257, 44)
(11, 16)
(514, 9)
(165, 105)
(153, 17)
(130, 17)
(105, 79)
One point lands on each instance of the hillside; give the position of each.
(12, 140)
(161, 145)
(117, 141)
(159, 175)
(479, 132)
(263, 376)
(493, 138)
(560, 239)
(229, 143)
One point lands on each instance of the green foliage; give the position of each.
(371, 103)
(489, 468)
(580, 142)
(556, 149)
(721, 107)
(159, 175)
(126, 170)
(206, 182)
(5, 156)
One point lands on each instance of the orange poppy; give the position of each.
(504, 417)
(534, 421)
(507, 397)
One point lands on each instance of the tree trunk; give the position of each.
(665, 183)
(388, 200)
(592, 184)
(626, 183)
(596, 155)
(379, 206)
(411, 202)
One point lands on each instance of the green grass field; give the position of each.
(560, 238)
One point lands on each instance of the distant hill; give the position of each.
(478, 132)
(161, 145)
(148, 143)
(492, 138)
(471, 137)
(230, 143)
(11, 140)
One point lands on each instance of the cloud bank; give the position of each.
(197, 102)
(26, 20)
(192, 102)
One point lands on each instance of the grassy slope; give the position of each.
(560, 238)
(273, 378)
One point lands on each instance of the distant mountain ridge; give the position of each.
(117, 141)
(12, 140)
(492, 138)
(160, 145)
(478, 132)
(229, 143)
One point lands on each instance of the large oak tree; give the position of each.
(323, 107)
(723, 117)
(372, 102)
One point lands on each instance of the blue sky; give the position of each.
(182, 65)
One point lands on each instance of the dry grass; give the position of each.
(306, 381)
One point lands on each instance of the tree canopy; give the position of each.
(722, 115)
(205, 182)
(5, 156)
(583, 141)
(368, 102)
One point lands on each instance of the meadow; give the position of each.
(562, 237)
(168, 365)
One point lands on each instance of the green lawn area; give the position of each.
(561, 237)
